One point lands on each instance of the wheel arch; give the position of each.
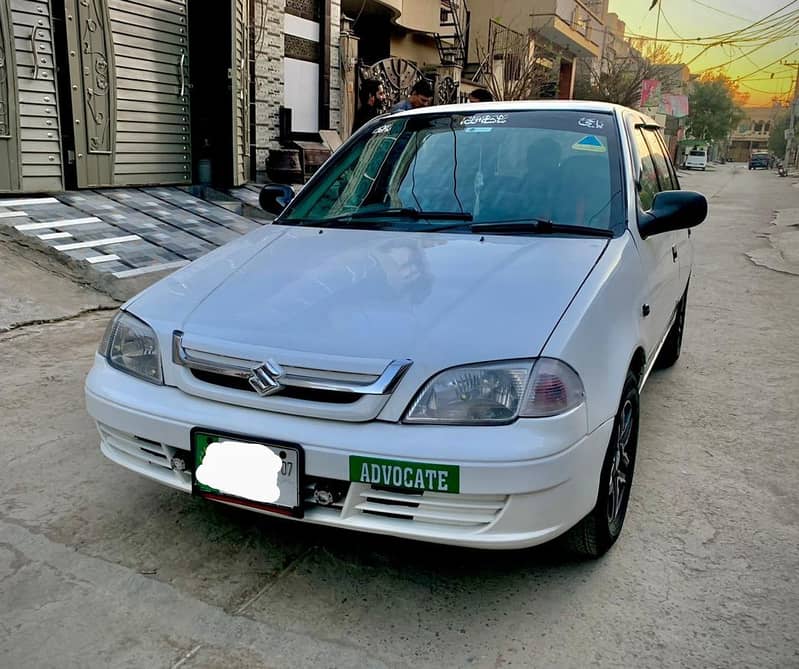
(638, 363)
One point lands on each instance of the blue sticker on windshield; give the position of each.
(479, 129)
(590, 143)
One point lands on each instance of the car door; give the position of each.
(667, 177)
(658, 253)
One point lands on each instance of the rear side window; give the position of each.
(648, 182)
(661, 160)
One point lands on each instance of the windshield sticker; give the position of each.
(590, 143)
(586, 122)
(382, 130)
(479, 129)
(485, 119)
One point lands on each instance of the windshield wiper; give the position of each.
(397, 212)
(538, 226)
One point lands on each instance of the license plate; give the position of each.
(401, 474)
(253, 472)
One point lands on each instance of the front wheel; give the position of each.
(597, 532)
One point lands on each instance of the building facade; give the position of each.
(556, 34)
(157, 92)
(752, 133)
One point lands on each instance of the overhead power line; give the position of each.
(721, 11)
(772, 27)
(759, 70)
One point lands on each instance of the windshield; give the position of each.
(698, 153)
(450, 171)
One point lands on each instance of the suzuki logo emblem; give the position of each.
(265, 379)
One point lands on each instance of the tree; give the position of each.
(714, 110)
(776, 140)
(619, 79)
(515, 66)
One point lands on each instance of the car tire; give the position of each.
(597, 532)
(670, 351)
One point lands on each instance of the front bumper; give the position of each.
(520, 485)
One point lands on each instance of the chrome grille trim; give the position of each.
(315, 380)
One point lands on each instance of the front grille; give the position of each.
(431, 507)
(297, 393)
(331, 392)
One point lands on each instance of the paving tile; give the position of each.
(177, 244)
(145, 230)
(203, 209)
(174, 218)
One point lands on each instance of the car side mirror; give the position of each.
(673, 210)
(274, 198)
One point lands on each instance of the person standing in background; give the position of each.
(481, 95)
(421, 95)
(372, 97)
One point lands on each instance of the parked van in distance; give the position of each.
(696, 159)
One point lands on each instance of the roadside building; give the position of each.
(505, 36)
(752, 132)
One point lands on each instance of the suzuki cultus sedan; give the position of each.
(442, 337)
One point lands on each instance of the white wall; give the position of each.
(301, 94)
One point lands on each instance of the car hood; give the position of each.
(352, 300)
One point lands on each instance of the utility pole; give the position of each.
(657, 26)
(792, 124)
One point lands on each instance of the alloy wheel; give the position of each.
(620, 466)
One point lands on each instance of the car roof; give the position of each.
(587, 106)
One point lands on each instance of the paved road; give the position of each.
(99, 568)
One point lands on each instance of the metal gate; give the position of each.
(151, 59)
(92, 91)
(30, 141)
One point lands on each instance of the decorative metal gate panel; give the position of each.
(152, 142)
(92, 89)
(30, 142)
(397, 76)
(240, 82)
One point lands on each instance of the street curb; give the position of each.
(78, 271)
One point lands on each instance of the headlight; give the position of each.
(131, 346)
(498, 393)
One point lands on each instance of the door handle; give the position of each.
(33, 51)
(182, 75)
(674, 253)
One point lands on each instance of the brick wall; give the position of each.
(335, 60)
(268, 32)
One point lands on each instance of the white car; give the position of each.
(442, 337)
(696, 160)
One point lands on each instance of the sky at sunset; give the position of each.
(752, 56)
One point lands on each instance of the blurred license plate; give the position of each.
(246, 471)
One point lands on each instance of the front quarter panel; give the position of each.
(600, 332)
